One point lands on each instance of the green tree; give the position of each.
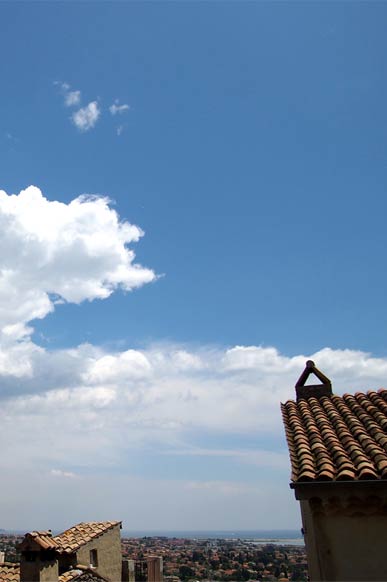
(185, 572)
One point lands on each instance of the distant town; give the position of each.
(188, 560)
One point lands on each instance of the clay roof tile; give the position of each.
(80, 534)
(338, 437)
(9, 572)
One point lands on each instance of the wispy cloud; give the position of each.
(86, 117)
(118, 109)
(73, 98)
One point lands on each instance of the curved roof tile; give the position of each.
(337, 437)
(70, 540)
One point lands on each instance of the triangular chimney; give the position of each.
(315, 390)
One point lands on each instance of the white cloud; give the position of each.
(127, 365)
(53, 252)
(86, 117)
(100, 414)
(73, 98)
(118, 109)
(87, 408)
(95, 411)
(146, 397)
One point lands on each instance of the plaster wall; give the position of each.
(108, 547)
(347, 548)
(346, 536)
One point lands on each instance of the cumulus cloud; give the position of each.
(162, 396)
(97, 412)
(54, 252)
(86, 117)
(87, 410)
(102, 414)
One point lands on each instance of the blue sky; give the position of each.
(252, 151)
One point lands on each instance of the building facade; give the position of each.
(85, 551)
(338, 453)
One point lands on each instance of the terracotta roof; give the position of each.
(81, 573)
(9, 572)
(43, 539)
(70, 575)
(70, 540)
(337, 438)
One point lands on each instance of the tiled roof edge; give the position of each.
(63, 544)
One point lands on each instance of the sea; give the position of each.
(279, 537)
